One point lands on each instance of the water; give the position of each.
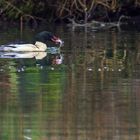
(87, 91)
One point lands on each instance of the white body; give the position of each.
(38, 46)
(36, 55)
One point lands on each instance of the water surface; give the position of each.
(92, 94)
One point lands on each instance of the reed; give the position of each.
(61, 9)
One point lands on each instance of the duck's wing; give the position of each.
(9, 47)
(18, 47)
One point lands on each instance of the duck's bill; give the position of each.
(60, 42)
(57, 40)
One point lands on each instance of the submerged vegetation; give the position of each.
(56, 10)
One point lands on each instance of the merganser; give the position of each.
(29, 54)
(39, 45)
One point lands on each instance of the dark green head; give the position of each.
(47, 36)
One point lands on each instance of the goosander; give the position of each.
(39, 45)
(29, 54)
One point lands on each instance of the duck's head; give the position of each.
(48, 36)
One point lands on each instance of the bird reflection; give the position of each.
(57, 59)
(42, 59)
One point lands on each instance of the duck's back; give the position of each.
(43, 36)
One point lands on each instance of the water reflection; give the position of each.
(92, 94)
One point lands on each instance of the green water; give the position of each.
(92, 95)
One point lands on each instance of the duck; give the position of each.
(39, 45)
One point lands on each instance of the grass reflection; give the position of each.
(32, 98)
